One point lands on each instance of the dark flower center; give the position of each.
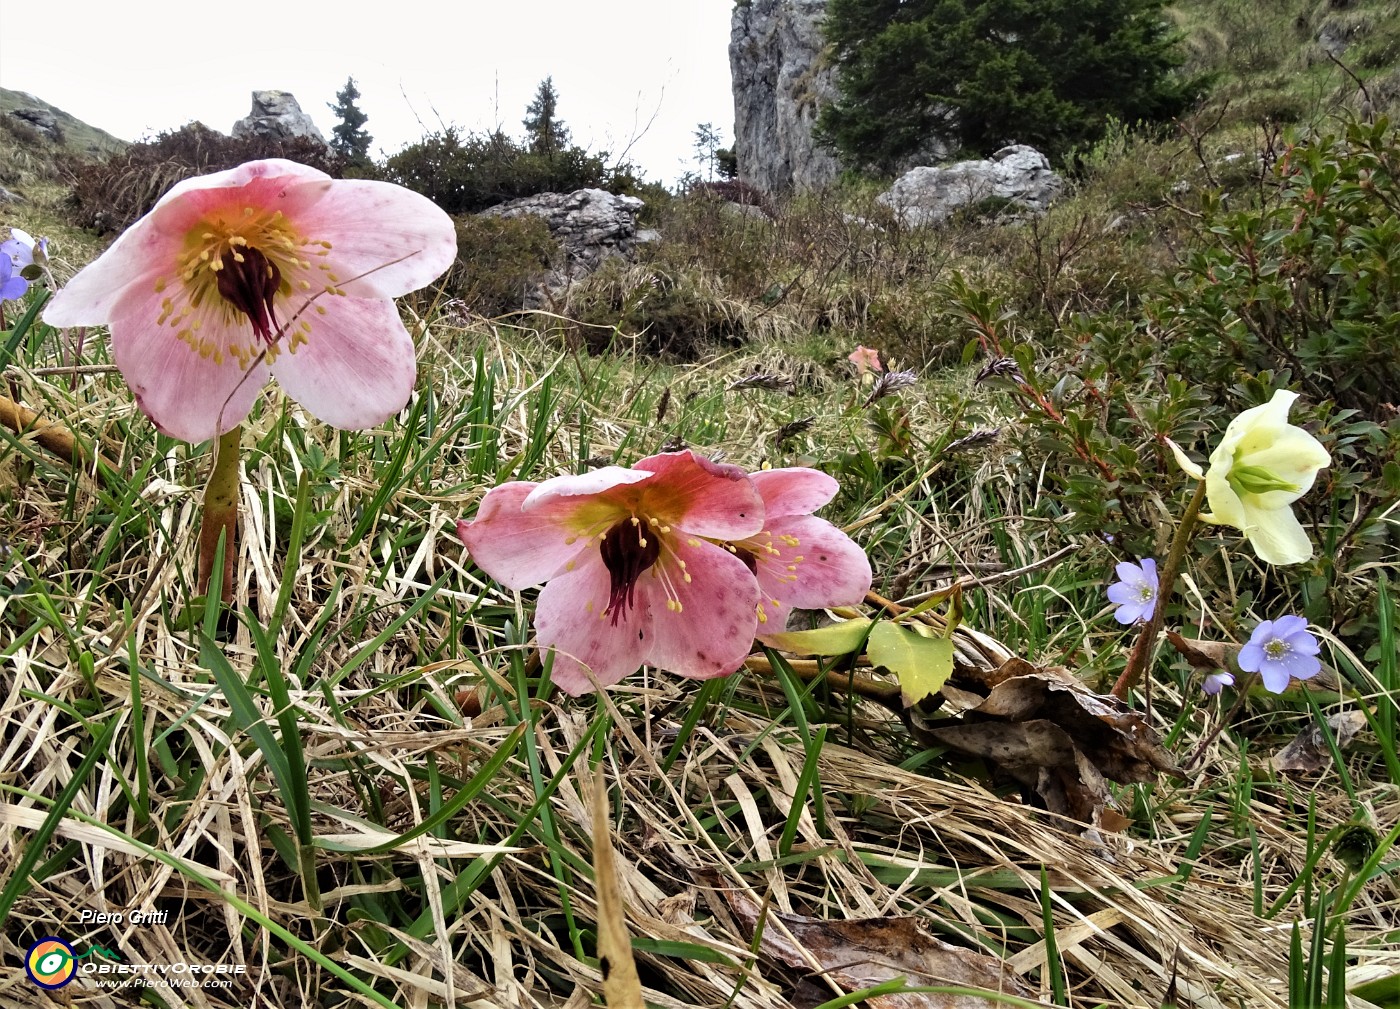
(627, 552)
(248, 281)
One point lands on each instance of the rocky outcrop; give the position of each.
(276, 114)
(781, 78)
(1018, 174)
(590, 225)
(42, 120)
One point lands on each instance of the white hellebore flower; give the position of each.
(1261, 466)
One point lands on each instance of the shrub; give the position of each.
(466, 172)
(499, 260)
(109, 195)
(678, 314)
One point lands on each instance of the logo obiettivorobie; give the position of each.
(51, 963)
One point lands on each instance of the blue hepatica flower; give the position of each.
(1280, 650)
(1135, 592)
(1216, 680)
(12, 285)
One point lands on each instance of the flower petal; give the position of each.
(1228, 509)
(1275, 676)
(1254, 428)
(1277, 536)
(1288, 625)
(570, 619)
(142, 254)
(1295, 457)
(1132, 612)
(1251, 656)
(1302, 667)
(519, 548)
(182, 392)
(702, 497)
(833, 571)
(1128, 572)
(1123, 593)
(400, 240)
(714, 629)
(1188, 467)
(1214, 681)
(590, 484)
(796, 490)
(357, 366)
(1149, 570)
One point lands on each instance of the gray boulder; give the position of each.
(1018, 174)
(276, 114)
(782, 75)
(590, 225)
(40, 119)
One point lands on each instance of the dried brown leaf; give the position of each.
(863, 952)
(1308, 752)
(1203, 655)
(1054, 735)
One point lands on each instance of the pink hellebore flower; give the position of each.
(865, 359)
(800, 560)
(630, 575)
(196, 291)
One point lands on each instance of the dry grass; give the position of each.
(391, 730)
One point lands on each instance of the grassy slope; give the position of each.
(79, 137)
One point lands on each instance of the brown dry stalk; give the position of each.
(51, 435)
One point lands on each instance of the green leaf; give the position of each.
(1384, 991)
(683, 950)
(922, 664)
(837, 639)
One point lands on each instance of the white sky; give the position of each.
(141, 66)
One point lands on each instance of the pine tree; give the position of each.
(979, 74)
(707, 148)
(348, 136)
(544, 133)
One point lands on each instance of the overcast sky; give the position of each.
(141, 66)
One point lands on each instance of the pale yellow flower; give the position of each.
(1261, 466)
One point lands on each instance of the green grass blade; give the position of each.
(20, 873)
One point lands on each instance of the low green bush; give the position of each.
(499, 260)
(467, 172)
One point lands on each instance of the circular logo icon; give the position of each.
(50, 963)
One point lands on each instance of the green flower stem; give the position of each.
(1146, 647)
(221, 514)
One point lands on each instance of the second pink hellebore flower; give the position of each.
(630, 576)
(800, 560)
(196, 291)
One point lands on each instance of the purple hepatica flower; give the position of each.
(1135, 592)
(1279, 650)
(12, 285)
(1214, 681)
(20, 248)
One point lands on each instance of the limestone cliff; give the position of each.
(782, 75)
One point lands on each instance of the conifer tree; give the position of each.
(978, 74)
(544, 133)
(348, 136)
